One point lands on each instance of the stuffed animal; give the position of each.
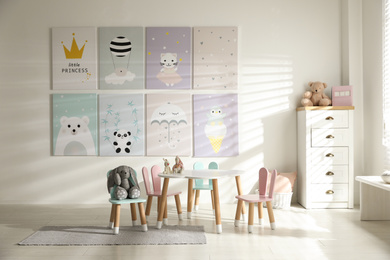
(167, 168)
(178, 167)
(120, 177)
(316, 97)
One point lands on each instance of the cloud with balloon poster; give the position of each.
(121, 58)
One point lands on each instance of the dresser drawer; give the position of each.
(329, 119)
(329, 137)
(329, 174)
(329, 156)
(329, 192)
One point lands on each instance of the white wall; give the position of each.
(282, 45)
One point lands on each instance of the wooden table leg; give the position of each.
(178, 206)
(217, 207)
(190, 198)
(162, 203)
(239, 190)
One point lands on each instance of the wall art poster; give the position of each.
(74, 124)
(74, 58)
(121, 58)
(215, 57)
(168, 57)
(168, 124)
(121, 124)
(215, 125)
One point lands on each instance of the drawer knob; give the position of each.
(329, 118)
(329, 137)
(329, 192)
(330, 155)
(329, 173)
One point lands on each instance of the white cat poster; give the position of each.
(121, 124)
(168, 57)
(74, 124)
(215, 58)
(168, 124)
(121, 58)
(74, 64)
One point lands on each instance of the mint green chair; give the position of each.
(199, 184)
(116, 207)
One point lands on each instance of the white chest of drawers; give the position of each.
(325, 157)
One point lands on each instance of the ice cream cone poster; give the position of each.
(74, 58)
(74, 124)
(121, 57)
(215, 57)
(121, 124)
(168, 57)
(215, 125)
(168, 124)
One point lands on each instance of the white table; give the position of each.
(200, 174)
(374, 198)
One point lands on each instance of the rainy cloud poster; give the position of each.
(121, 124)
(215, 125)
(74, 124)
(168, 124)
(121, 57)
(168, 57)
(215, 58)
(74, 64)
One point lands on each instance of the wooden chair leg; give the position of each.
(149, 206)
(117, 218)
(260, 211)
(142, 216)
(133, 213)
(250, 217)
(238, 213)
(197, 196)
(112, 217)
(271, 215)
(178, 206)
(212, 200)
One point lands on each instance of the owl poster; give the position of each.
(74, 64)
(168, 124)
(121, 58)
(168, 57)
(121, 124)
(74, 124)
(215, 58)
(215, 125)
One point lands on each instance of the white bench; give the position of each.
(374, 198)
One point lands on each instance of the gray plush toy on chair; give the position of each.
(124, 180)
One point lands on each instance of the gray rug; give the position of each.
(89, 236)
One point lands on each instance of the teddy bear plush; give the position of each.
(124, 187)
(316, 95)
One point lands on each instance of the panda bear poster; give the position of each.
(121, 125)
(168, 57)
(74, 124)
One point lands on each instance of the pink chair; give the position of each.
(157, 193)
(259, 199)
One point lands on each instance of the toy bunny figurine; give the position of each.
(178, 167)
(167, 169)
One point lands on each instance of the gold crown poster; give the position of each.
(74, 58)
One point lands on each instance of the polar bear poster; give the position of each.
(74, 124)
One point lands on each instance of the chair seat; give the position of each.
(158, 194)
(126, 201)
(253, 198)
(202, 187)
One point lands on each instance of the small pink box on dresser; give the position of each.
(342, 96)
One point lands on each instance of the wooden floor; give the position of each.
(300, 234)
